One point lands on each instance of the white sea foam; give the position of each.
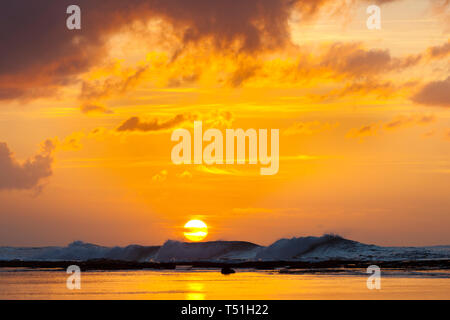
(327, 247)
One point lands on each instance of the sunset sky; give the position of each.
(86, 118)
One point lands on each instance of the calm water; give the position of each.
(210, 284)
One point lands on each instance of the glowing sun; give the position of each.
(195, 230)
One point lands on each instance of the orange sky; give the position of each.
(364, 120)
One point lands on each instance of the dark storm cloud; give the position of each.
(39, 51)
(27, 175)
(39, 54)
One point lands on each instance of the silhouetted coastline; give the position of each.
(105, 264)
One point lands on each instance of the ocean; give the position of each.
(20, 283)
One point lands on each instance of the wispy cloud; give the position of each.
(402, 121)
(136, 124)
(397, 122)
(309, 128)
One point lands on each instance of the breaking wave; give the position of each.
(79, 251)
(214, 250)
(327, 247)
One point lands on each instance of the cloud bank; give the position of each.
(435, 93)
(26, 175)
(42, 54)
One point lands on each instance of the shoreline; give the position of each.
(105, 264)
